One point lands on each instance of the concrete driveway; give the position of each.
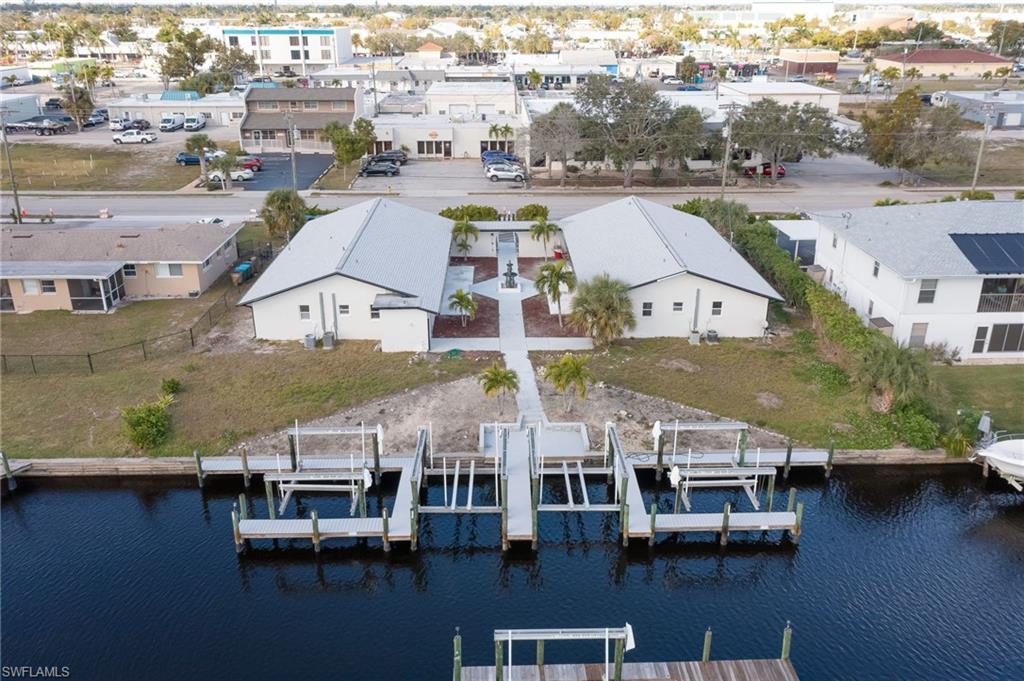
(277, 171)
(454, 174)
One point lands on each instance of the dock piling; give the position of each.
(362, 498)
(799, 520)
(504, 514)
(540, 653)
(789, 459)
(11, 483)
(269, 485)
(743, 448)
(791, 501)
(787, 640)
(243, 507)
(199, 467)
(292, 455)
(706, 654)
(245, 467)
(316, 531)
(414, 514)
(499, 662)
(661, 455)
(679, 497)
(236, 531)
(724, 538)
(620, 651)
(771, 492)
(375, 443)
(625, 525)
(385, 537)
(535, 502)
(654, 515)
(457, 652)
(828, 464)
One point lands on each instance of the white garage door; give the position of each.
(487, 109)
(459, 110)
(1012, 120)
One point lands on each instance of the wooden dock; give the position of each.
(718, 670)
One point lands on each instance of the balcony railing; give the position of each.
(1001, 302)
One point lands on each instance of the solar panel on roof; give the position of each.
(992, 253)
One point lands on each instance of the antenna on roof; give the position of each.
(847, 215)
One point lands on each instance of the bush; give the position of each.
(1019, 195)
(170, 386)
(757, 243)
(694, 206)
(871, 431)
(148, 424)
(890, 202)
(830, 378)
(916, 429)
(837, 321)
(571, 169)
(947, 198)
(470, 212)
(532, 212)
(977, 195)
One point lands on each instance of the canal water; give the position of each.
(901, 573)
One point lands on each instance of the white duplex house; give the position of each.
(373, 271)
(936, 273)
(683, 276)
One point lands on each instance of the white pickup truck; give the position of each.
(135, 137)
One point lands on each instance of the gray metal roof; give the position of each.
(35, 269)
(379, 242)
(292, 94)
(914, 241)
(640, 242)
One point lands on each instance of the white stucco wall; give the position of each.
(486, 245)
(743, 314)
(277, 317)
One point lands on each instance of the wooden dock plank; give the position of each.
(717, 670)
(520, 517)
(727, 458)
(712, 522)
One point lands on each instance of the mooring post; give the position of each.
(771, 491)
(661, 454)
(679, 497)
(245, 467)
(292, 457)
(654, 515)
(743, 447)
(269, 485)
(787, 640)
(499, 661)
(11, 484)
(791, 502)
(199, 466)
(504, 514)
(243, 507)
(385, 537)
(620, 651)
(414, 514)
(534, 502)
(706, 655)
(609, 459)
(789, 458)
(622, 502)
(362, 498)
(724, 538)
(625, 525)
(828, 463)
(236, 531)
(376, 456)
(540, 653)
(457, 656)
(316, 530)
(799, 520)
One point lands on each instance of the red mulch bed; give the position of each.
(540, 323)
(484, 326)
(528, 267)
(484, 268)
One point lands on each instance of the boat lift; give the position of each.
(622, 636)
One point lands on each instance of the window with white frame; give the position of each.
(874, 269)
(835, 240)
(309, 105)
(325, 55)
(129, 270)
(677, 307)
(206, 264)
(926, 294)
(30, 287)
(343, 310)
(716, 308)
(168, 270)
(325, 41)
(374, 313)
(48, 286)
(980, 336)
(266, 105)
(917, 335)
(303, 312)
(871, 307)
(646, 309)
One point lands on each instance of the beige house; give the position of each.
(936, 62)
(271, 112)
(95, 268)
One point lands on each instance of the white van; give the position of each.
(119, 124)
(195, 122)
(169, 122)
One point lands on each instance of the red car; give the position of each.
(252, 163)
(766, 170)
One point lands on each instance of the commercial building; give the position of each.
(1002, 109)
(274, 115)
(808, 62)
(927, 274)
(962, 63)
(784, 93)
(300, 50)
(18, 107)
(221, 109)
(94, 268)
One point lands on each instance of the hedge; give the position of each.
(470, 211)
(838, 322)
(532, 211)
(757, 243)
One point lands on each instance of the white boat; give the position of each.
(1006, 455)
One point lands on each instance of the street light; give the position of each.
(10, 167)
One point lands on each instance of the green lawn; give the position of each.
(225, 398)
(999, 389)
(1003, 164)
(334, 179)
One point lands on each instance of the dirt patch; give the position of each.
(456, 409)
(679, 364)
(634, 414)
(483, 268)
(769, 400)
(539, 322)
(485, 325)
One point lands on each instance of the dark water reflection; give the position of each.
(908, 573)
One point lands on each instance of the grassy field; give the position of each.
(334, 179)
(998, 389)
(1003, 164)
(225, 398)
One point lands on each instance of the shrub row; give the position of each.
(757, 243)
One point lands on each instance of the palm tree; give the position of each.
(602, 309)
(494, 132)
(896, 373)
(464, 303)
(284, 212)
(497, 380)
(199, 144)
(550, 280)
(542, 230)
(462, 232)
(569, 376)
(534, 78)
(506, 132)
(224, 165)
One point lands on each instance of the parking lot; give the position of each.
(277, 171)
(465, 175)
(103, 136)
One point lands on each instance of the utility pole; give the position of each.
(10, 168)
(727, 152)
(291, 133)
(981, 147)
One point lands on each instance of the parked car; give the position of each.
(94, 119)
(558, 85)
(236, 174)
(195, 122)
(501, 162)
(797, 79)
(766, 170)
(134, 137)
(688, 88)
(186, 159)
(672, 81)
(53, 103)
(380, 168)
(253, 163)
(391, 156)
(262, 79)
(504, 172)
(140, 124)
(498, 155)
(119, 124)
(102, 111)
(172, 122)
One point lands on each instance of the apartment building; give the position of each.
(299, 50)
(274, 115)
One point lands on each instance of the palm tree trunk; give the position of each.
(202, 167)
(545, 240)
(565, 161)
(558, 304)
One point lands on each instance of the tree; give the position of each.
(224, 165)
(462, 232)
(602, 309)
(77, 103)
(550, 280)
(629, 117)
(207, 82)
(348, 144)
(535, 43)
(497, 380)
(464, 303)
(1007, 37)
(186, 53)
(534, 79)
(199, 144)
(777, 131)
(684, 136)
(542, 230)
(569, 375)
(896, 373)
(687, 69)
(364, 130)
(284, 212)
(235, 61)
(559, 133)
(725, 216)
